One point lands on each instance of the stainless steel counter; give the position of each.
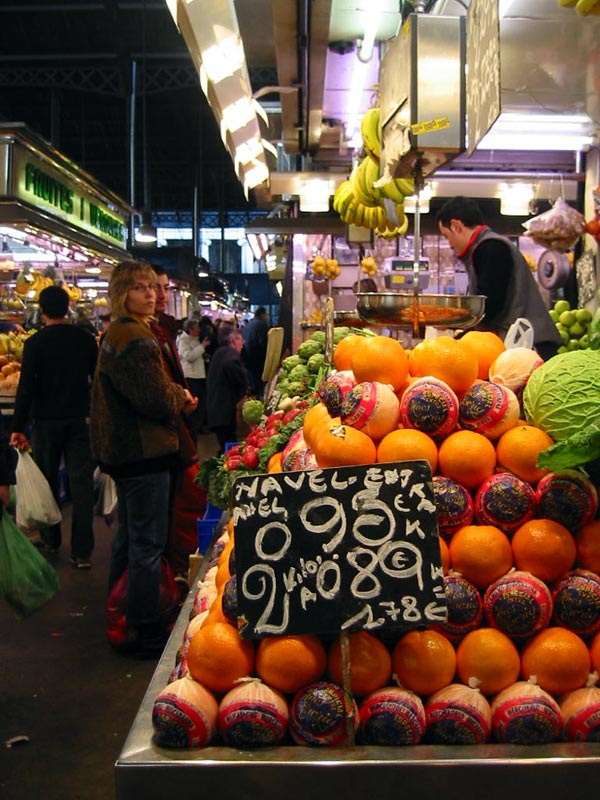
(494, 772)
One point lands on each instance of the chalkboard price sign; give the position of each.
(337, 550)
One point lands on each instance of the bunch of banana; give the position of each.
(391, 230)
(369, 266)
(30, 284)
(582, 7)
(73, 291)
(370, 130)
(397, 189)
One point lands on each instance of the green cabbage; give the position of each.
(562, 396)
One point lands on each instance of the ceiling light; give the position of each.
(93, 270)
(314, 194)
(515, 198)
(542, 132)
(372, 18)
(146, 233)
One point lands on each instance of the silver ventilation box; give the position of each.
(422, 95)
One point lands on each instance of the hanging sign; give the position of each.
(337, 550)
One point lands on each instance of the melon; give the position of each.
(525, 714)
(489, 409)
(253, 714)
(457, 714)
(518, 604)
(504, 500)
(372, 408)
(465, 607)
(567, 496)
(334, 389)
(391, 716)
(576, 598)
(431, 406)
(580, 711)
(453, 503)
(184, 714)
(318, 714)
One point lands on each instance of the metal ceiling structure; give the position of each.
(67, 71)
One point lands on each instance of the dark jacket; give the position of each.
(497, 269)
(58, 367)
(226, 384)
(133, 403)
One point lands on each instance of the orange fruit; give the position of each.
(486, 659)
(344, 350)
(408, 444)
(445, 358)
(480, 553)
(343, 446)
(545, 548)
(595, 652)
(486, 347)
(215, 612)
(217, 656)
(424, 661)
(223, 573)
(587, 541)
(370, 663)
(274, 463)
(517, 450)
(290, 662)
(380, 358)
(315, 419)
(445, 555)
(467, 457)
(558, 659)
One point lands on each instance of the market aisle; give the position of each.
(63, 686)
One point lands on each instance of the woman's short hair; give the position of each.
(122, 278)
(188, 324)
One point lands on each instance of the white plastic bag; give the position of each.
(520, 334)
(106, 502)
(36, 506)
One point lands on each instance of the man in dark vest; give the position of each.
(498, 270)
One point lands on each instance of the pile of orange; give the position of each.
(425, 660)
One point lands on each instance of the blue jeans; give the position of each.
(51, 440)
(141, 538)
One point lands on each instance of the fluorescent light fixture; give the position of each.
(41, 257)
(543, 132)
(372, 18)
(92, 283)
(259, 244)
(314, 194)
(410, 202)
(515, 198)
(223, 59)
(237, 114)
(93, 270)
(354, 110)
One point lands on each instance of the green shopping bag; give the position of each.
(27, 580)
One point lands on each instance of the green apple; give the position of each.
(562, 305)
(583, 315)
(576, 330)
(553, 315)
(584, 342)
(562, 349)
(566, 318)
(573, 344)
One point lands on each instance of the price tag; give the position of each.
(336, 550)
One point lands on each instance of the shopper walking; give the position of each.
(255, 349)
(53, 396)
(187, 499)
(226, 384)
(134, 438)
(192, 352)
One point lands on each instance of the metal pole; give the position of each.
(132, 149)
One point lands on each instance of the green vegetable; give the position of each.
(299, 373)
(290, 362)
(314, 363)
(319, 336)
(309, 348)
(340, 333)
(577, 450)
(297, 388)
(252, 411)
(562, 397)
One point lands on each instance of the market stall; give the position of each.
(57, 223)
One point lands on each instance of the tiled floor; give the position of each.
(64, 688)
